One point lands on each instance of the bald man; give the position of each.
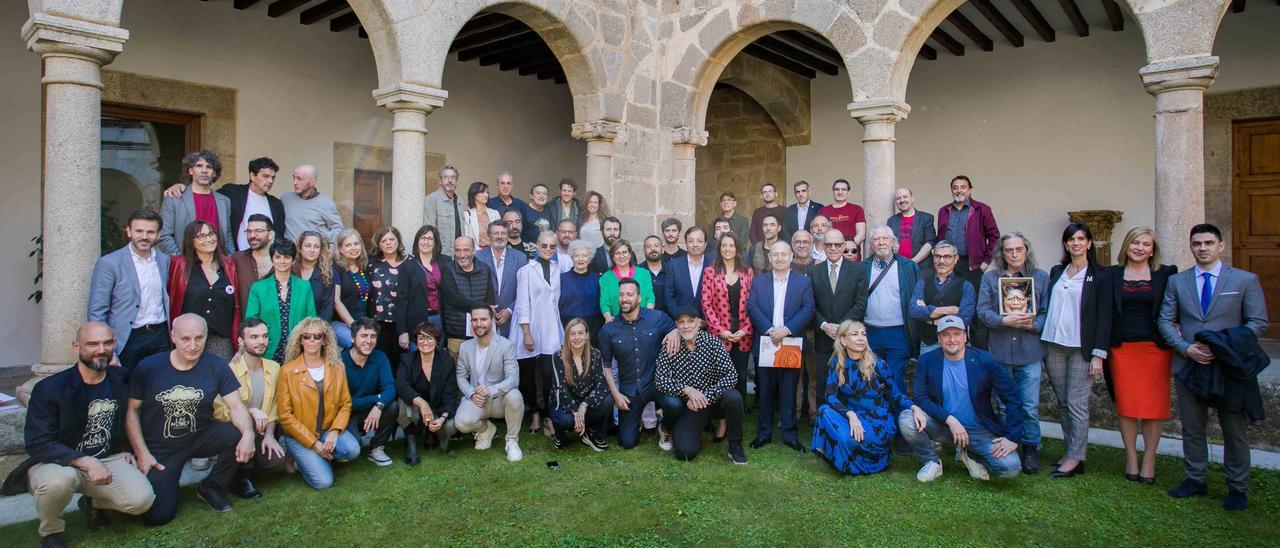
(306, 209)
(170, 420)
(75, 439)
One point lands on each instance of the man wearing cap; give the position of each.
(695, 382)
(953, 386)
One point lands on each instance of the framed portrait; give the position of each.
(1017, 296)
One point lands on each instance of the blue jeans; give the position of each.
(1026, 381)
(629, 420)
(890, 344)
(315, 469)
(342, 332)
(923, 444)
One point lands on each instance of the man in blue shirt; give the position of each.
(953, 386)
(373, 389)
(634, 338)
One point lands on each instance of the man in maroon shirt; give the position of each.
(846, 217)
(198, 202)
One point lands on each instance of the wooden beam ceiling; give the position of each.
(969, 29)
(322, 11)
(1114, 18)
(999, 21)
(1035, 19)
(928, 52)
(281, 7)
(519, 41)
(798, 55)
(344, 22)
(243, 4)
(945, 40)
(1077, 19)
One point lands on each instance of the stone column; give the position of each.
(1178, 87)
(73, 52)
(599, 135)
(879, 121)
(409, 105)
(684, 168)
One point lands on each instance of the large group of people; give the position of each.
(260, 334)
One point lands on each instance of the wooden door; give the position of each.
(372, 188)
(1256, 208)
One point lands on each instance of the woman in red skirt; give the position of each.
(1138, 367)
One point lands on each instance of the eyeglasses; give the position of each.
(833, 244)
(312, 336)
(207, 236)
(546, 246)
(946, 257)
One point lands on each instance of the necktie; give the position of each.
(834, 273)
(1206, 292)
(457, 219)
(497, 263)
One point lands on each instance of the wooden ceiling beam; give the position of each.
(322, 11)
(362, 33)
(551, 73)
(1035, 19)
(816, 47)
(945, 40)
(281, 7)
(1237, 6)
(509, 30)
(511, 60)
(971, 30)
(928, 52)
(999, 21)
(798, 55)
(523, 40)
(782, 62)
(243, 4)
(538, 68)
(344, 22)
(1077, 19)
(1114, 18)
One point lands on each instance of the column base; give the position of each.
(39, 372)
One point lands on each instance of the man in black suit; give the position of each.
(914, 230)
(248, 199)
(611, 229)
(800, 214)
(837, 298)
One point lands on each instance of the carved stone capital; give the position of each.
(1101, 223)
(688, 136)
(52, 35)
(410, 96)
(879, 111)
(1182, 74)
(597, 130)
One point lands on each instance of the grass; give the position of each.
(644, 497)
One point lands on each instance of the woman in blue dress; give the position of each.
(857, 423)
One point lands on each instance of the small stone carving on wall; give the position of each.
(1101, 222)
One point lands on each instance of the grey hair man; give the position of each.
(306, 209)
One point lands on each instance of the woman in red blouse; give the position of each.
(725, 286)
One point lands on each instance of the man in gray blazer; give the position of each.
(199, 171)
(127, 292)
(1210, 297)
(488, 377)
(503, 264)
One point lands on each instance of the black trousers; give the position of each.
(687, 425)
(218, 439)
(263, 462)
(777, 389)
(535, 383)
(386, 424)
(144, 342)
(741, 360)
(388, 343)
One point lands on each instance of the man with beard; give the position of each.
(611, 231)
(821, 224)
(538, 217)
(373, 390)
(127, 292)
(75, 439)
(671, 228)
(515, 229)
(306, 209)
(170, 420)
(257, 377)
(914, 230)
(696, 381)
(254, 263)
(971, 226)
(442, 210)
(465, 283)
(252, 198)
(489, 379)
(891, 278)
(653, 262)
(770, 208)
(198, 202)
(566, 233)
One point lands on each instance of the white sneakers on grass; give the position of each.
(932, 470)
(664, 439)
(484, 438)
(976, 469)
(514, 454)
(378, 455)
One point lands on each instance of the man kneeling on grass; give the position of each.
(953, 386)
(696, 382)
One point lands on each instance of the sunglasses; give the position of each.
(312, 336)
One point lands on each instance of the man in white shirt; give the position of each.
(127, 292)
(780, 306)
(489, 377)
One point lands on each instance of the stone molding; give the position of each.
(410, 96)
(597, 130)
(48, 34)
(688, 136)
(1183, 74)
(878, 118)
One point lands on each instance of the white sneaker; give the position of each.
(200, 464)
(514, 454)
(484, 438)
(929, 472)
(976, 469)
(378, 456)
(664, 439)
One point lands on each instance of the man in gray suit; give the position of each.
(1210, 297)
(488, 377)
(199, 171)
(127, 292)
(503, 265)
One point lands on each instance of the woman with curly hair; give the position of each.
(314, 404)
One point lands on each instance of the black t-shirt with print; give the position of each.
(177, 405)
(101, 413)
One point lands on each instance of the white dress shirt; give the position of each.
(151, 300)
(254, 205)
(1062, 322)
(695, 271)
(779, 299)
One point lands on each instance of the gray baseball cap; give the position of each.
(947, 322)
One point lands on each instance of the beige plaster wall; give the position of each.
(1041, 129)
(299, 90)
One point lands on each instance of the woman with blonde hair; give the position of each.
(859, 419)
(580, 401)
(314, 403)
(1138, 365)
(315, 265)
(351, 288)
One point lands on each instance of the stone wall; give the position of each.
(744, 150)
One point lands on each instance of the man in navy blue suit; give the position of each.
(780, 306)
(684, 287)
(953, 387)
(503, 265)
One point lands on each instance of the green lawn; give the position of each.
(644, 497)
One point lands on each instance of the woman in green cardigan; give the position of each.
(282, 300)
(623, 267)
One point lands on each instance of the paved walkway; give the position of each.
(18, 509)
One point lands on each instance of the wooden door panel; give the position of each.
(1256, 197)
(369, 207)
(1266, 264)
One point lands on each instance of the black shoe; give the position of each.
(557, 440)
(55, 540)
(760, 442)
(1235, 501)
(1031, 460)
(795, 446)
(1146, 481)
(243, 487)
(736, 454)
(1131, 477)
(95, 519)
(411, 450)
(717, 439)
(1189, 488)
(1059, 473)
(214, 498)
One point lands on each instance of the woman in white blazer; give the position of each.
(478, 215)
(540, 333)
